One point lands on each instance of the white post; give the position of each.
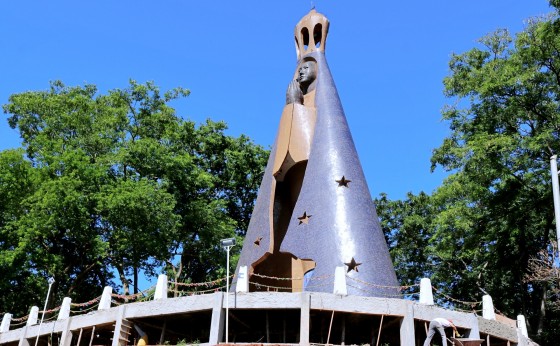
(426, 294)
(6, 320)
(51, 282)
(64, 312)
(522, 325)
(556, 196)
(33, 316)
(488, 308)
(161, 287)
(340, 282)
(242, 280)
(105, 301)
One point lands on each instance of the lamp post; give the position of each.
(227, 244)
(50, 281)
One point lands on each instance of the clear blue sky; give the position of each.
(388, 59)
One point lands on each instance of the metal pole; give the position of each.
(556, 195)
(227, 293)
(227, 244)
(330, 327)
(50, 281)
(379, 333)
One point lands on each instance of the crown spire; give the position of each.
(311, 33)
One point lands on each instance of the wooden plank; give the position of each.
(80, 336)
(92, 335)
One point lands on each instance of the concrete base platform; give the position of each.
(263, 318)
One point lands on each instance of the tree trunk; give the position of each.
(124, 281)
(542, 312)
(135, 280)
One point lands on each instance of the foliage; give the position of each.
(16, 182)
(496, 206)
(407, 228)
(543, 269)
(478, 231)
(116, 183)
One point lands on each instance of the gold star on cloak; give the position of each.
(304, 218)
(352, 265)
(343, 182)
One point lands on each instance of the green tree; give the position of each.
(217, 203)
(494, 212)
(407, 225)
(116, 183)
(17, 181)
(487, 228)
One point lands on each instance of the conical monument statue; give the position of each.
(314, 211)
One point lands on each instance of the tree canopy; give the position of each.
(478, 231)
(116, 183)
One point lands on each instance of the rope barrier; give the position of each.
(275, 288)
(321, 278)
(83, 311)
(129, 296)
(126, 297)
(468, 311)
(401, 288)
(285, 288)
(79, 305)
(127, 300)
(52, 318)
(316, 278)
(195, 284)
(17, 324)
(416, 294)
(21, 319)
(148, 296)
(384, 295)
(134, 296)
(274, 277)
(193, 293)
(51, 310)
(472, 304)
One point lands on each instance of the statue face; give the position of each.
(307, 73)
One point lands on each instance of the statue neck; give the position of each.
(306, 88)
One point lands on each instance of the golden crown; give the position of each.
(311, 33)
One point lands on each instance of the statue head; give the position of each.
(306, 75)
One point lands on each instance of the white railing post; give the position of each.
(33, 316)
(6, 320)
(426, 294)
(488, 308)
(64, 312)
(161, 287)
(340, 282)
(522, 325)
(105, 301)
(242, 280)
